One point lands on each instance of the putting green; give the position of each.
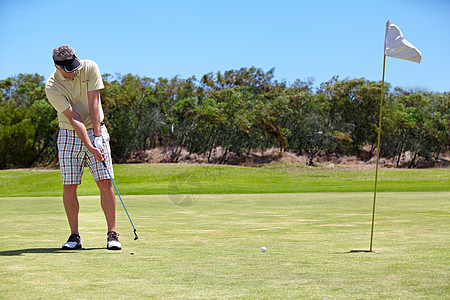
(209, 247)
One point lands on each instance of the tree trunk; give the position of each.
(400, 154)
(210, 150)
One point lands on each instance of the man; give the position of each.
(74, 91)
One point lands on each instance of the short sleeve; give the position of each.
(57, 100)
(95, 81)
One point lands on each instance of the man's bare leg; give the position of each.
(71, 206)
(108, 201)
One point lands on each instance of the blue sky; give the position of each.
(300, 39)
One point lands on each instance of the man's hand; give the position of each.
(98, 154)
(98, 143)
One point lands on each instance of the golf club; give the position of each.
(112, 180)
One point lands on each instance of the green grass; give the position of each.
(212, 249)
(201, 229)
(160, 179)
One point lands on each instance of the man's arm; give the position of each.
(80, 129)
(94, 111)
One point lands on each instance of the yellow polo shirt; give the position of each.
(63, 93)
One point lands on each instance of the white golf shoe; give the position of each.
(113, 241)
(73, 243)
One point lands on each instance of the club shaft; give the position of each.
(112, 180)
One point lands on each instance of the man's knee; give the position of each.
(70, 188)
(104, 184)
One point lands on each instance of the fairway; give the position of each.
(210, 247)
(163, 179)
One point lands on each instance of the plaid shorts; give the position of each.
(74, 156)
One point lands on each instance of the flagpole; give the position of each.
(378, 154)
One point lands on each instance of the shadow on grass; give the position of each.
(42, 250)
(360, 251)
(355, 251)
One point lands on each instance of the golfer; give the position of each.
(74, 91)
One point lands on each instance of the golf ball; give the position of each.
(263, 249)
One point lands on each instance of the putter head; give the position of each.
(136, 237)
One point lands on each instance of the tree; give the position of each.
(27, 112)
(417, 123)
(43, 118)
(16, 136)
(129, 113)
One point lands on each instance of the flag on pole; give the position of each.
(396, 46)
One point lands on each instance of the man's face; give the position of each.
(65, 74)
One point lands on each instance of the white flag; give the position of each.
(396, 46)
